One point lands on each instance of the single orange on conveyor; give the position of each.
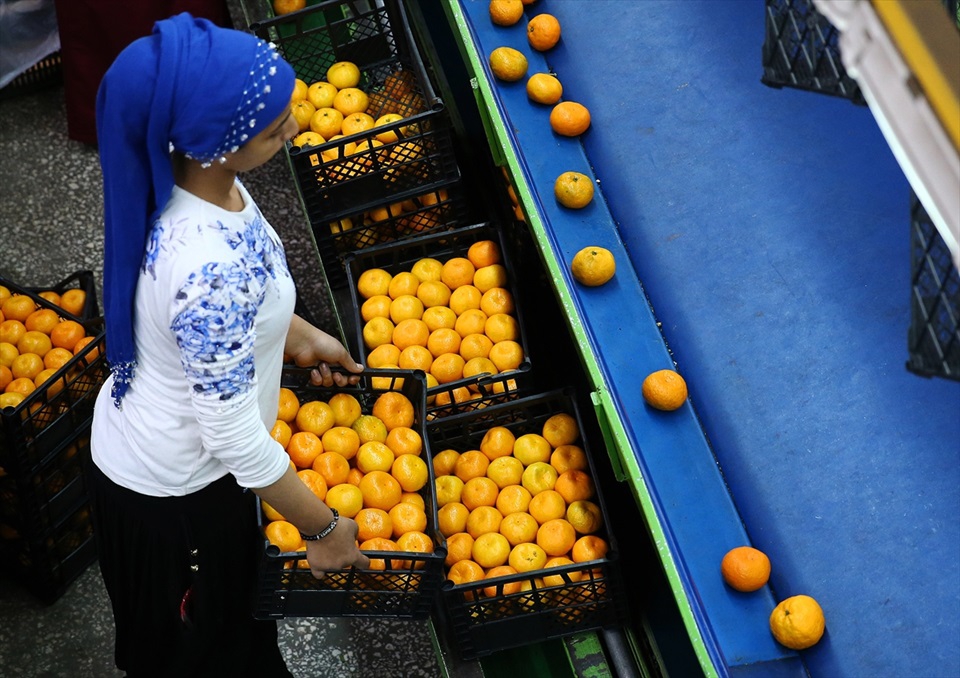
(798, 622)
(664, 390)
(745, 568)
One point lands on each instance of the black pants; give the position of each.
(181, 573)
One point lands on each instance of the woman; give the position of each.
(199, 312)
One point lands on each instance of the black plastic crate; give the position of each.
(60, 407)
(934, 334)
(801, 50)
(31, 503)
(408, 586)
(591, 595)
(379, 41)
(46, 565)
(401, 256)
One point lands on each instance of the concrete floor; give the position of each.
(50, 226)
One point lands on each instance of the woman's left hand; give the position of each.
(308, 346)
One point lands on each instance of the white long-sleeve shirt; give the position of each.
(214, 303)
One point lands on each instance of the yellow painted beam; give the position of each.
(929, 42)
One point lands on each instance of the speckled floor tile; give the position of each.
(51, 214)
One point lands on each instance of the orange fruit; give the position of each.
(415, 357)
(745, 568)
(308, 138)
(531, 447)
(374, 281)
(556, 537)
(53, 388)
(57, 358)
(573, 190)
(544, 88)
(465, 572)
(18, 307)
(567, 457)
(6, 376)
(459, 547)
(475, 345)
(433, 293)
(506, 355)
(74, 302)
(21, 385)
(410, 471)
(561, 429)
(348, 499)
(49, 295)
(34, 341)
(380, 490)
(404, 440)
(479, 491)
(384, 354)
(574, 485)
(497, 441)
(585, 516)
(377, 306)
(280, 432)
(341, 440)
(464, 298)
(26, 366)
(452, 518)
(504, 588)
(7, 353)
(527, 557)
(373, 523)
(560, 579)
(437, 317)
(505, 12)
(443, 340)
(393, 409)
(483, 520)
(321, 94)
(333, 467)
(456, 272)
(539, 477)
(484, 253)
(414, 498)
(471, 464)
(449, 489)
(12, 330)
(281, 7)
(304, 447)
(388, 136)
(343, 74)
(407, 518)
(461, 394)
(547, 505)
(42, 320)
(377, 331)
(569, 118)
(316, 417)
(479, 367)
(410, 332)
(447, 367)
(488, 277)
(379, 544)
(593, 266)
(797, 622)
(490, 549)
(519, 527)
(664, 390)
(374, 456)
(356, 123)
(501, 327)
(314, 481)
(284, 536)
(543, 32)
(427, 269)
(288, 405)
(589, 547)
(403, 283)
(445, 462)
(472, 321)
(269, 512)
(346, 409)
(415, 542)
(508, 64)
(513, 499)
(370, 427)
(505, 471)
(350, 100)
(303, 112)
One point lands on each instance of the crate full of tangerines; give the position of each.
(372, 128)
(442, 303)
(52, 364)
(362, 449)
(529, 551)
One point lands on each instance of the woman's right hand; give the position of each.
(337, 551)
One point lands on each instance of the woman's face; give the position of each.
(265, 145)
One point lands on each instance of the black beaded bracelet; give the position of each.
(325, 531)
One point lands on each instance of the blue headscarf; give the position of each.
(190, 86)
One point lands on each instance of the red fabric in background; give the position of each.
(94, 32)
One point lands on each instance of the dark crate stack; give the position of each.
(346, 196)
(590, 595)
(46, 537)
(407, 586)
(934, 334)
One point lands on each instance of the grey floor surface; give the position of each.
(50, 226)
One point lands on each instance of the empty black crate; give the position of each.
(400, 257)
(379, 41)
(934, 335)
(407, 587)
(801, 50)
(587, 595)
